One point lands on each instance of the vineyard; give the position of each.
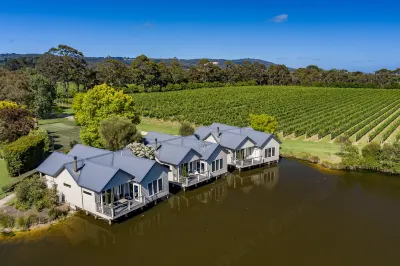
(362, 114)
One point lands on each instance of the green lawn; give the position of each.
(4, 178)
(61, 130)
(148, 124)
(324, 150)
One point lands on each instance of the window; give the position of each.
(217, 165)
(268, 152)
(220, 164)
(160, 185)
(87, 193)
(213, 166)
(155, 187)
(273, 151)
(191, 167)
(66, 185)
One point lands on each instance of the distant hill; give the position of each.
(187, 63)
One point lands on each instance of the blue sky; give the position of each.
(356, 35)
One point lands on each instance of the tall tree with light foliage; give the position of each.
(100, 103)
(117, 132)
(263, 122)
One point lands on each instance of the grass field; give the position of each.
(148, 125)
(62, 131)
(315, 113)
(324, 150)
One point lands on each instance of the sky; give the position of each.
(353, 34)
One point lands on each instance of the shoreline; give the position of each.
(326, 165)
(17, 232)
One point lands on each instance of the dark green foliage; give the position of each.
(15, 123)
(6, 220)
(56, 213)
(34, 192)
(117, 132)
(45, 94)
(24, 154)
(186, 129)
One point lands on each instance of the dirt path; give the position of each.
(6, 199)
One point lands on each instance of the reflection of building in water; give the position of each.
(266, 177)
(216, 193)
(85, 230)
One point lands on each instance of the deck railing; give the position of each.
(119, 207)
(248, 161)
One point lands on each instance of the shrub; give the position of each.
(6, 220)
(32, 220)
(186, 129)
(33, 191)
(43, 133)
(24, 154)
(55, 213)
(22, 223)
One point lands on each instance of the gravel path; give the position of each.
(6, 199)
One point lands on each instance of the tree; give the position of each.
(63, 64)
(14, 86)
(263, 122)
(186, 129)
(98, 104)
(371, 155)
(178, 74)
(15, 123)
(117, 132)
(144, 71)
(45, 94)
(344, 142)
(113, 72)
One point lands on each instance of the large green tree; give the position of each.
(98, 104)
(117, 132)
(113, 72)
(14, 86)
(15, 123)
(263, 122)
(45, 94)
(63, 64)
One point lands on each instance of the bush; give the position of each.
(186, 129)
(55, 213)
(43, 133)
(33, 191)
(6, 220)
(32, 220)
(24, 154)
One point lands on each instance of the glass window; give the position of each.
(155, 186)
(160, 185)
(150, 187)
(66, 185)
(220, 164)
(87, 193)
(191, 167)
(273, 151)
(213, 166)
(198, 166)
(217, 165)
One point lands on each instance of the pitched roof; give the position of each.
(173, 154)
(97, 167)
(231, 136)
(152, 136)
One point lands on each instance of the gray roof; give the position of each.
(231, 137)
(98, 167)
(173, 149)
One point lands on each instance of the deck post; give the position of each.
(129, 205)
(101, 202)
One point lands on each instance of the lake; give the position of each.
(291, 214)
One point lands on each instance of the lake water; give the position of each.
(292, 214)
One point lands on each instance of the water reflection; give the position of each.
(239, 220)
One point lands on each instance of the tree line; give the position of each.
(64, 71)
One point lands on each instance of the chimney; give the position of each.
(75, 164)
(155, 149)
(218, 131)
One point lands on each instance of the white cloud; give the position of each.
(280, 18)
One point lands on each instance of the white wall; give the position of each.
(247, 144)
(73, 194)
(155, 173)
(270, 144)
(219, 153)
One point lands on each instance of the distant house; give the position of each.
(104, 183)
(246, 146)
(190, 161)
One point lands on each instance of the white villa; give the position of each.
(105, 184)
(246, 147)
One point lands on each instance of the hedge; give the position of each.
(24, 154)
